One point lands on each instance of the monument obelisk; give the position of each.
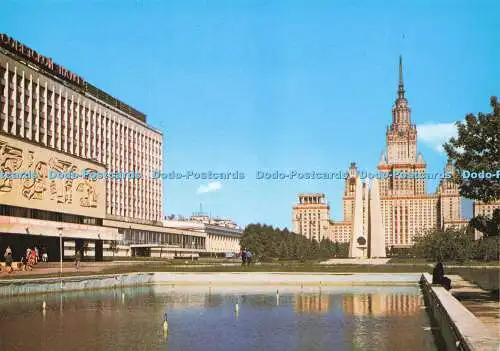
(356, 244)
(377, 235)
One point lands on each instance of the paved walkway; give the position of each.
(51, 268)
(44, 268)
(483, 304)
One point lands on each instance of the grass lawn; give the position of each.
(207, 265)
(423, 261)
(313, 268)
(291, 267)
(177, 261)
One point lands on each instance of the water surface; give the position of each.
(205, 318)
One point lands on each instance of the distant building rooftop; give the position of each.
(202, 218)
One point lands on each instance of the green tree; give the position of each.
(486, 225)
(477, 149)
(455, 245)
(284, 253)
(488, 249)
(268, 243)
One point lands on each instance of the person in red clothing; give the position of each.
(32, 259)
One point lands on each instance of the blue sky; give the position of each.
(273, 85)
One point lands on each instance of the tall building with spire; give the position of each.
(407, 209)
(400, 205)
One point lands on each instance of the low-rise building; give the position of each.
(221, 236)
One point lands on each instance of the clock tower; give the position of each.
(401, 134)
(401, 155)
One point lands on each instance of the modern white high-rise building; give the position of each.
(53, 120)
(43, 103)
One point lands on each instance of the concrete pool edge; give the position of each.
(33, 286)
(278, 278)
(459, 327)
(113, 281)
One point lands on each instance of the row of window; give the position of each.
(67, 135)
(74, 121)
(14, 211)
(134, 236)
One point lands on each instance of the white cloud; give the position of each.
(435, 135)
(209, 188)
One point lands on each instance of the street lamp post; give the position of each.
(61, 254)
(129, 241)
(60, 250)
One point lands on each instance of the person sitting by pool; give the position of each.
(439, 278)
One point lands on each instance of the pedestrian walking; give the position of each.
(8, 262)
(24, 262)
(78, 258)
(7, 251)
(243, 257)
(31, 259)
(249, 257)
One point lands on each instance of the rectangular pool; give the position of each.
(207, 319)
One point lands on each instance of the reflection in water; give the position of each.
(206, 319)
(312, 303)
(392, 304)
(61, 305)
(72, 296)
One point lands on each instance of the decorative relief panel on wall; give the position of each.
(34, 188)
(61, 190)
(31, 185)
(89, 197)
(11, 159)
